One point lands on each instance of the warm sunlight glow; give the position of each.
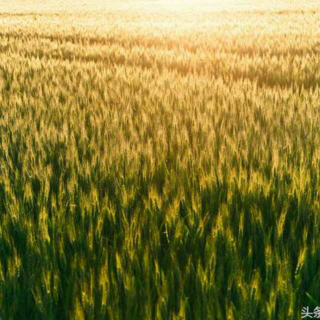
(144, 6)
(201, 5)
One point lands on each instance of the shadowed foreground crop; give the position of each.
(159, 164)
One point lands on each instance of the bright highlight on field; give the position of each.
(199, 4)
(159, 160)
(194, 4)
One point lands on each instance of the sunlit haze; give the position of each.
(150, 5)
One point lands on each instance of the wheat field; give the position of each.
(159, 160)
